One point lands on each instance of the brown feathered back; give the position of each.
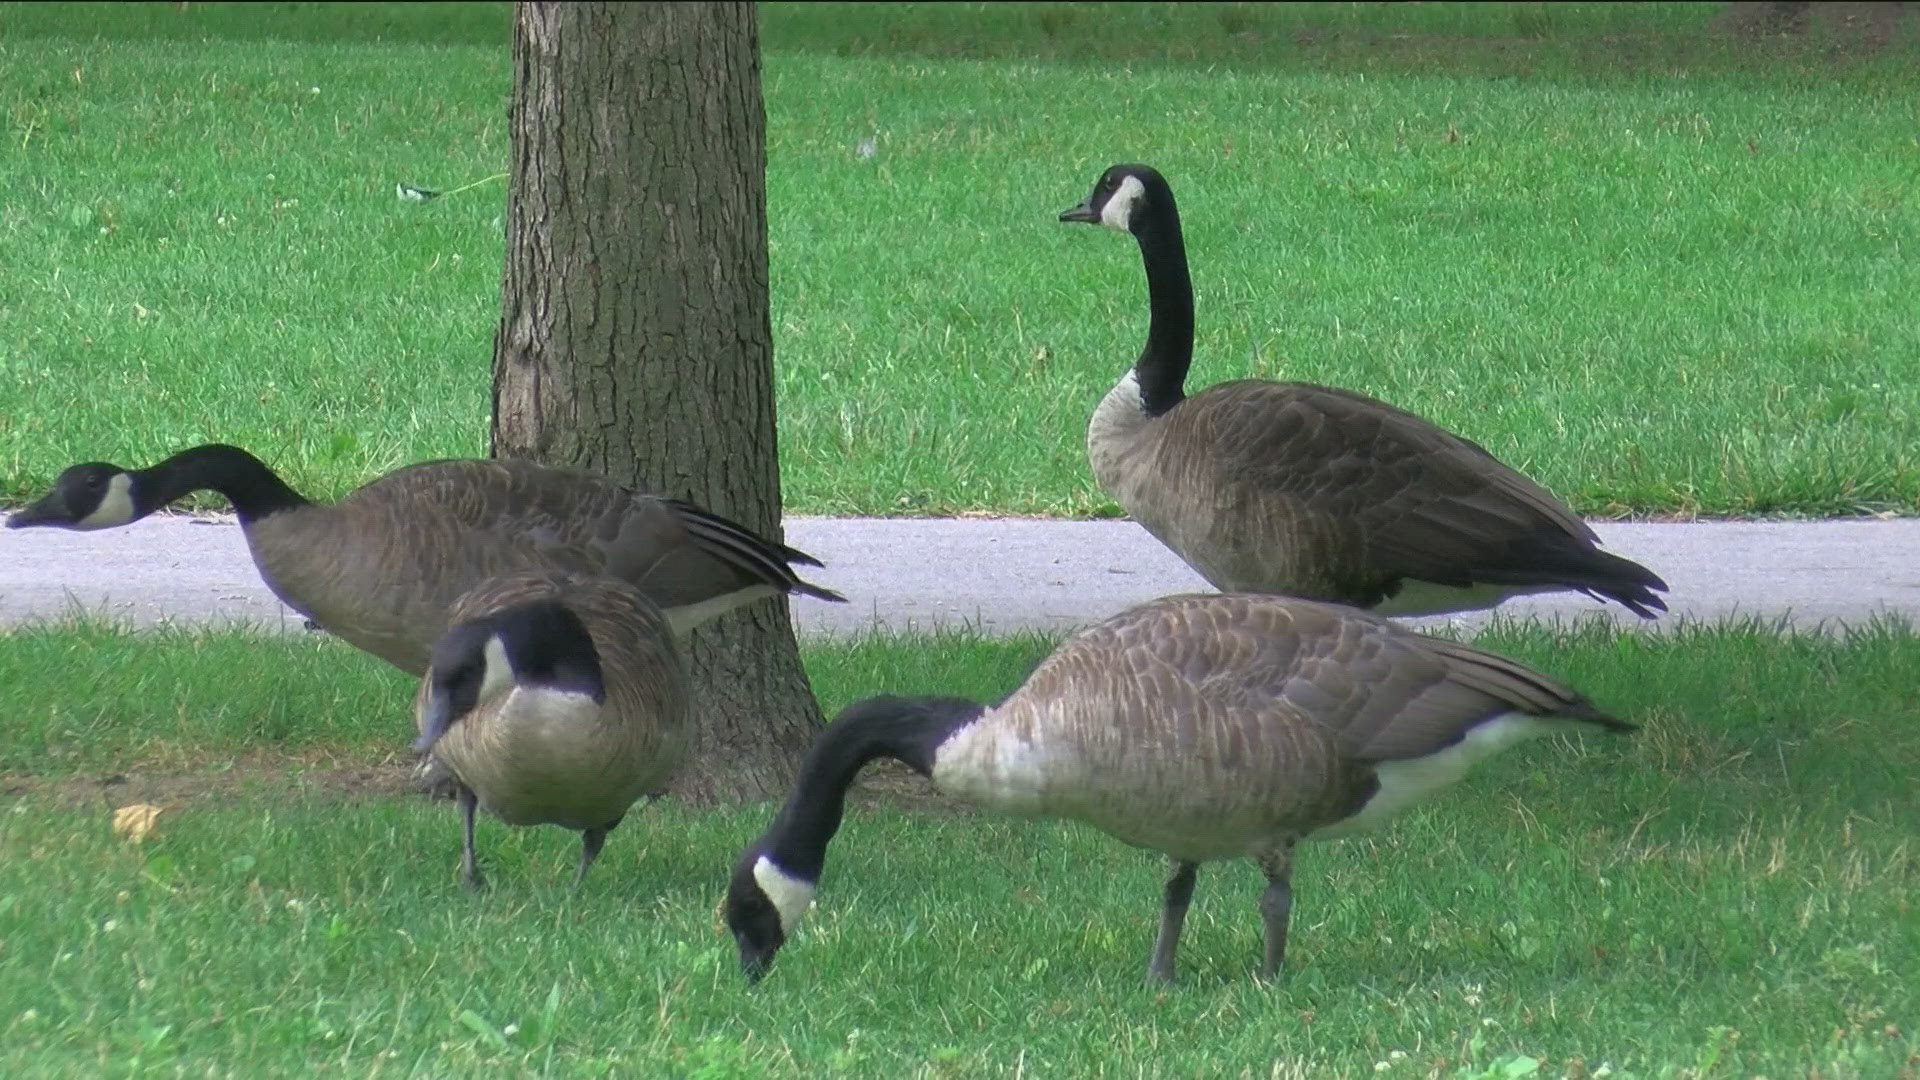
(381, 567)
(1209, 726)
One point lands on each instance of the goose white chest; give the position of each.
(1115, 442)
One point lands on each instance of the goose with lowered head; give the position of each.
(554, 700)
(381, 567)
(1205, 727)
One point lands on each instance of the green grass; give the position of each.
(1728, 893)
(1659, 268)
(169, 698)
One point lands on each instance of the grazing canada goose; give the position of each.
(1305, 490)
(380, 567)
(554, 700)
(1204, 727)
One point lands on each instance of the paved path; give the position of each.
(999, 575)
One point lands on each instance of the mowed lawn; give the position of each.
(1664, 269)
(1728, 893)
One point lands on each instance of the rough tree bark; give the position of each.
(635, 337)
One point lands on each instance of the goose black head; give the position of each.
(764, 904)
(95, 495)
(1125, 198)
(539, 645)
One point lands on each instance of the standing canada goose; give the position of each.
(1205, 727)
(380, 567)
(554, 700)
(1305, 490)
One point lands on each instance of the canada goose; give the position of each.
(554, 700)
(1204, 727)
(1305, 490)
(380, 567)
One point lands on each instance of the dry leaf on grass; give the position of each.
(135, 821)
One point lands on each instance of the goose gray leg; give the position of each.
(1276, 905)
(590, 843)
(469, 862)
(1173, 916)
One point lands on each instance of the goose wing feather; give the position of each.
(575, 520)
(1382, 692)
(381, 567)
(1399, 496)
(1148, 727)
(1247, 713)
(1287, 688)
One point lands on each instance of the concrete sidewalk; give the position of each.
(1001, 575)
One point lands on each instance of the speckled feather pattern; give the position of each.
(1211, 727)
(534, 758)
(1317, 492)
(381, 567)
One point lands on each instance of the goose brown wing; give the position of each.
(1391, 495)
(1157, 725)
(1198, 724)
(1391, 694)
(676, 552)
(1290, 667)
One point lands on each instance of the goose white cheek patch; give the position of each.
(116, 506)
(790, 895)
(498, 671)
(1117, 214)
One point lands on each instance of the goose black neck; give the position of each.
(1161, 370)
(245, 480)
(909, 730)
(548, 645)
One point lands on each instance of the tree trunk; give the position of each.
(635, 338)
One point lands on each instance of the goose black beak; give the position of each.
(1083, 213)
(755, 959)
(39, 513)
(439, 719)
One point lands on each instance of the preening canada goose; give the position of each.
(1205, 727)
(1305, 490)
(554, 700)
(380, 567)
